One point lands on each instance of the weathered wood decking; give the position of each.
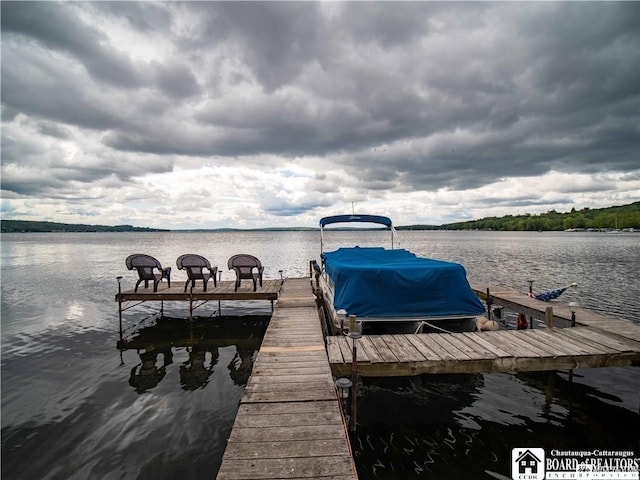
(596, 341)
(289, 424)
(224, 291)
(483, 352)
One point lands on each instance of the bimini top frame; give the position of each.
(386, 221)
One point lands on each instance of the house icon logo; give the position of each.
(527, 464)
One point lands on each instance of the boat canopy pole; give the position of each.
(386, 221)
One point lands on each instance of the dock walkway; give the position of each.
(596, 341)
(289, 424)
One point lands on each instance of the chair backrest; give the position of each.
(191, 260)
(244, 262)
(143, 263)
(193, 264)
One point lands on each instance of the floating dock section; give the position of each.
(290, 424)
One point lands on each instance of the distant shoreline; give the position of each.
(29, 226)
(616, 218)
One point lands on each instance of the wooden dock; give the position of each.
(520, 302)
(224, 291)
(196, 296)
(596, 341)
(289, 424)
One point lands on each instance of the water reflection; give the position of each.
(195, 373)
(458, 426)
(147, 375)
(202, 339)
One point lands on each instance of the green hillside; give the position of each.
(621, 217)
(9, 226)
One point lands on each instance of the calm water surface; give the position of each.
(75, 407)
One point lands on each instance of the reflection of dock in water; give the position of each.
(201, 339)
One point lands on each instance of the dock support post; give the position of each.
(530, 291)
(219, 308)
(548, 317)
(355, 335)
(119, 278)
(191, 304)
(488, 305)
(354, 379)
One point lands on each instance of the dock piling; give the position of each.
(548, 317)
(355, 335)
(119, 279)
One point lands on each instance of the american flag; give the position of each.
(551, 294)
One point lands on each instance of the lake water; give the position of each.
(75, 407)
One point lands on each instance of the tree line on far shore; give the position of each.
(611, 218)
(23, 226)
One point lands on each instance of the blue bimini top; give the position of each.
(376, 282)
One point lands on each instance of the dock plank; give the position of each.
(515, 346)
(400, 348)
(291, 433)
(297, 448)
(370, 350)
(410, 351)
(431, 344)
(383, 349)
(285, 468)
(335, 352)
(477, 348)
(565, 343)
(537, 339)
(619, 343)
(426, 352)
(346, 351)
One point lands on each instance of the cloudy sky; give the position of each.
(207, 114)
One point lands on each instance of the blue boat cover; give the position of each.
(376, 282)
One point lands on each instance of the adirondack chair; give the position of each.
(246, 267)
(195, 266)
(149, 269)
